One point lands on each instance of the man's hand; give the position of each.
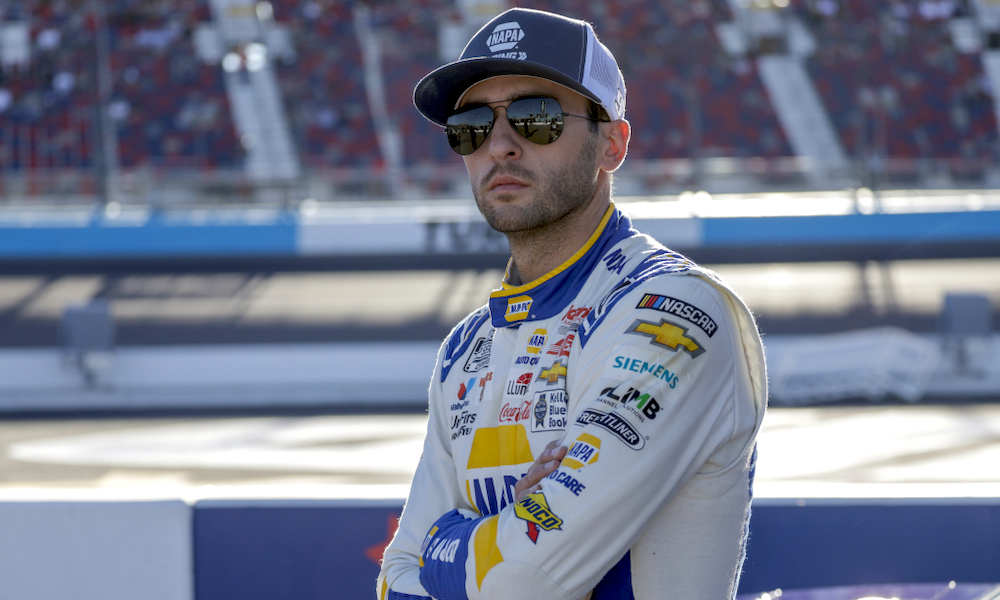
(548, 461)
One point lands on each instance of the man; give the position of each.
(592, 428)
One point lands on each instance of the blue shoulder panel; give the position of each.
(460, 339)
(658, 263)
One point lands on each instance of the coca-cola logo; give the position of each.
(513, 413)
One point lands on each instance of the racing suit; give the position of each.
(652, 372)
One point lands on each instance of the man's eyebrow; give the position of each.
(511, 98)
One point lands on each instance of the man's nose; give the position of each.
(504, 142)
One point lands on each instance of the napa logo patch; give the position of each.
(517, 308)
(534, 509)
(505, 36)
(537, 340)
(583, 452)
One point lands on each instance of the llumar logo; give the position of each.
(517, 308)
(534, 509)
(505, 36)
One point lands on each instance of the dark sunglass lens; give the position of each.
(539, 120)
(468, 129)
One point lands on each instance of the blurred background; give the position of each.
(230, 247)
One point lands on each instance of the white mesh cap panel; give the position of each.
(602, 76)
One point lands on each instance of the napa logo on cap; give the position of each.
(505, 36)
(517, 308)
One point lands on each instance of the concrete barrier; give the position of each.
(96, 550)
(313, 548)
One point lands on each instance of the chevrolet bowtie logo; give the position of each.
(668, 335)
(553, 373)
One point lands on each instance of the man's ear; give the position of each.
(615, 135)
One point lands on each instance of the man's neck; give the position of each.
(534, 253)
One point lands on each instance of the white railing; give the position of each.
(178, 186)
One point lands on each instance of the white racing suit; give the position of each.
(652, 372)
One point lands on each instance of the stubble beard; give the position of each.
(556, 193)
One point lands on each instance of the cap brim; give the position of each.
(436, 95)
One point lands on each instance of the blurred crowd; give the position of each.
(889, 74)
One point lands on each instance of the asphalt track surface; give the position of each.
(939, 445)
(934, 449)
(262, 306)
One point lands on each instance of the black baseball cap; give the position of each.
(523, 41)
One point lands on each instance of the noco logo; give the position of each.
(534, 508)
(505, 36)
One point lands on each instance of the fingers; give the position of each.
(547, 462)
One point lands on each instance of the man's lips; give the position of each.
(505, 183)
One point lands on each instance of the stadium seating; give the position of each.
(47, 119)
(888, 74)
(895, 85)
(170, 107)
(323, 87)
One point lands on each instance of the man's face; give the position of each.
(519, 185)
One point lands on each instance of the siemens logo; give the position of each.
(636, 365)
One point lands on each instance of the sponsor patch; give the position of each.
(482, 385)
(534, 509)
(480, 356)
(526, 360)
(553, 373)
(517, 308)
(584, 451)
(461, 424)
(679, 308)
(537, 340)
(514, 413)
(519, 386)
(641, 404)
(549, 411)
(629, 361)
(615, 261)
(563, 346)
(571, 320)
(614, 423)
(667, 335)
(464, 387)
(567, 480)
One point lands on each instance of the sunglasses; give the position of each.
(538, 120)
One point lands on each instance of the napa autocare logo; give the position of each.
(517, 308)
(584, 451)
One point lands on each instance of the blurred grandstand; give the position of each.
(234, 101)
(232, 206)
